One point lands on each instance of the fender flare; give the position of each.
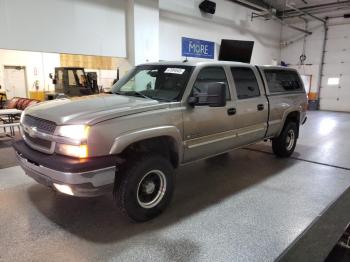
(123, 141)
(285, 115)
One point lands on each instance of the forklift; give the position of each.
(73, 81)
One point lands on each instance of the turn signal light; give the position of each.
(80, 151)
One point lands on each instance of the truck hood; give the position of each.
(92, 109)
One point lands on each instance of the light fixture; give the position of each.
(80, 151)
(65, 189)
(78, 132)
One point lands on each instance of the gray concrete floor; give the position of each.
(244, 206)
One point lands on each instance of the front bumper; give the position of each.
(85, 178)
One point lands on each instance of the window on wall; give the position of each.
(333, 81)
(207, 76)
(283, 81)
(245, 82)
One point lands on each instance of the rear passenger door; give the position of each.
(251, 105)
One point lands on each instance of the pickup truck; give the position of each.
(158, 117)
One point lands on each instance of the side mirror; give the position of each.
(193, 100)
(214, 97)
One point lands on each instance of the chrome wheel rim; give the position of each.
(290, 140)
(151, 189)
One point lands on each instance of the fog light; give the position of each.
(64, 189)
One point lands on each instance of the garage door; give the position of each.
(335, 91)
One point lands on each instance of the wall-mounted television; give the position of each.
(236, 50)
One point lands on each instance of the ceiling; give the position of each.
(321, 8)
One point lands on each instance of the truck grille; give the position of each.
(38, 141)
(42, 125)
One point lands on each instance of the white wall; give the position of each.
(146, 31)
(231, 21)
(64, 26)
(294, 41)
(38, 66)
(293, 48)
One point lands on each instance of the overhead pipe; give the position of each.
(290, 13)
(253, 4)
(263, 7)
(292, 26)
(306, 13)
(322, 61)
(316, 12)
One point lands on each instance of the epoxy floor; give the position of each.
(243, 206)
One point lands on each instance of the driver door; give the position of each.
(208, 130)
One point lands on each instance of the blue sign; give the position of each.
(197, 48)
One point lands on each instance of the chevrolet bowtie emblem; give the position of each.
(31, 131)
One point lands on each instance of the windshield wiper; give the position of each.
(118, 93)
(132, 93)
(139, 94)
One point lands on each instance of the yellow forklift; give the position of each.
(73, 81)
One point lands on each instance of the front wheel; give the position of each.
(145, 187)
(284, 144)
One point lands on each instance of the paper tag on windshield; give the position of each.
(178, 71)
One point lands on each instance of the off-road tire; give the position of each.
(127, 186)
(280, 145)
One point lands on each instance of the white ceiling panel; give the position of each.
(64, 26)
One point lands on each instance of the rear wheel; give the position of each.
(145, 187)
(284, 144)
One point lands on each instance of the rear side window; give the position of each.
(283, 81)
(245, 82)
(210, 75)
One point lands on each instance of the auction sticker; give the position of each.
(178, 71)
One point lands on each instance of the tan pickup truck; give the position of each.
(159, 116)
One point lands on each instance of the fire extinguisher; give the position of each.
(36, 85)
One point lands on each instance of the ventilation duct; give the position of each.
(255, 5)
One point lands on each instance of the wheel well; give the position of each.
(293, 117)
(164, 145)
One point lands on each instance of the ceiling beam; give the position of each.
(306, 13)
(310, 8)
(253, 4)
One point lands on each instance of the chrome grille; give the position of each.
(38, 141)
(40, 124)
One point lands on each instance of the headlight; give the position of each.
(74, 140)
(76, 132)
(80, 151)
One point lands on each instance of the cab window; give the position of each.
(245, 82)
(71, 78)
(207, 76)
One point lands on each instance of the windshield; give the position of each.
(159, 82)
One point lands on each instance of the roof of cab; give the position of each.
(195, 63)
(215, 62)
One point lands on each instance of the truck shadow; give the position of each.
(199, 186)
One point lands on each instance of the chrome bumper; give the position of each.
(85, 184)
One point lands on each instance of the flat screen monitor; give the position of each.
(236, 50)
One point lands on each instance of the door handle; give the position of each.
(260, 107)
(231, 111)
